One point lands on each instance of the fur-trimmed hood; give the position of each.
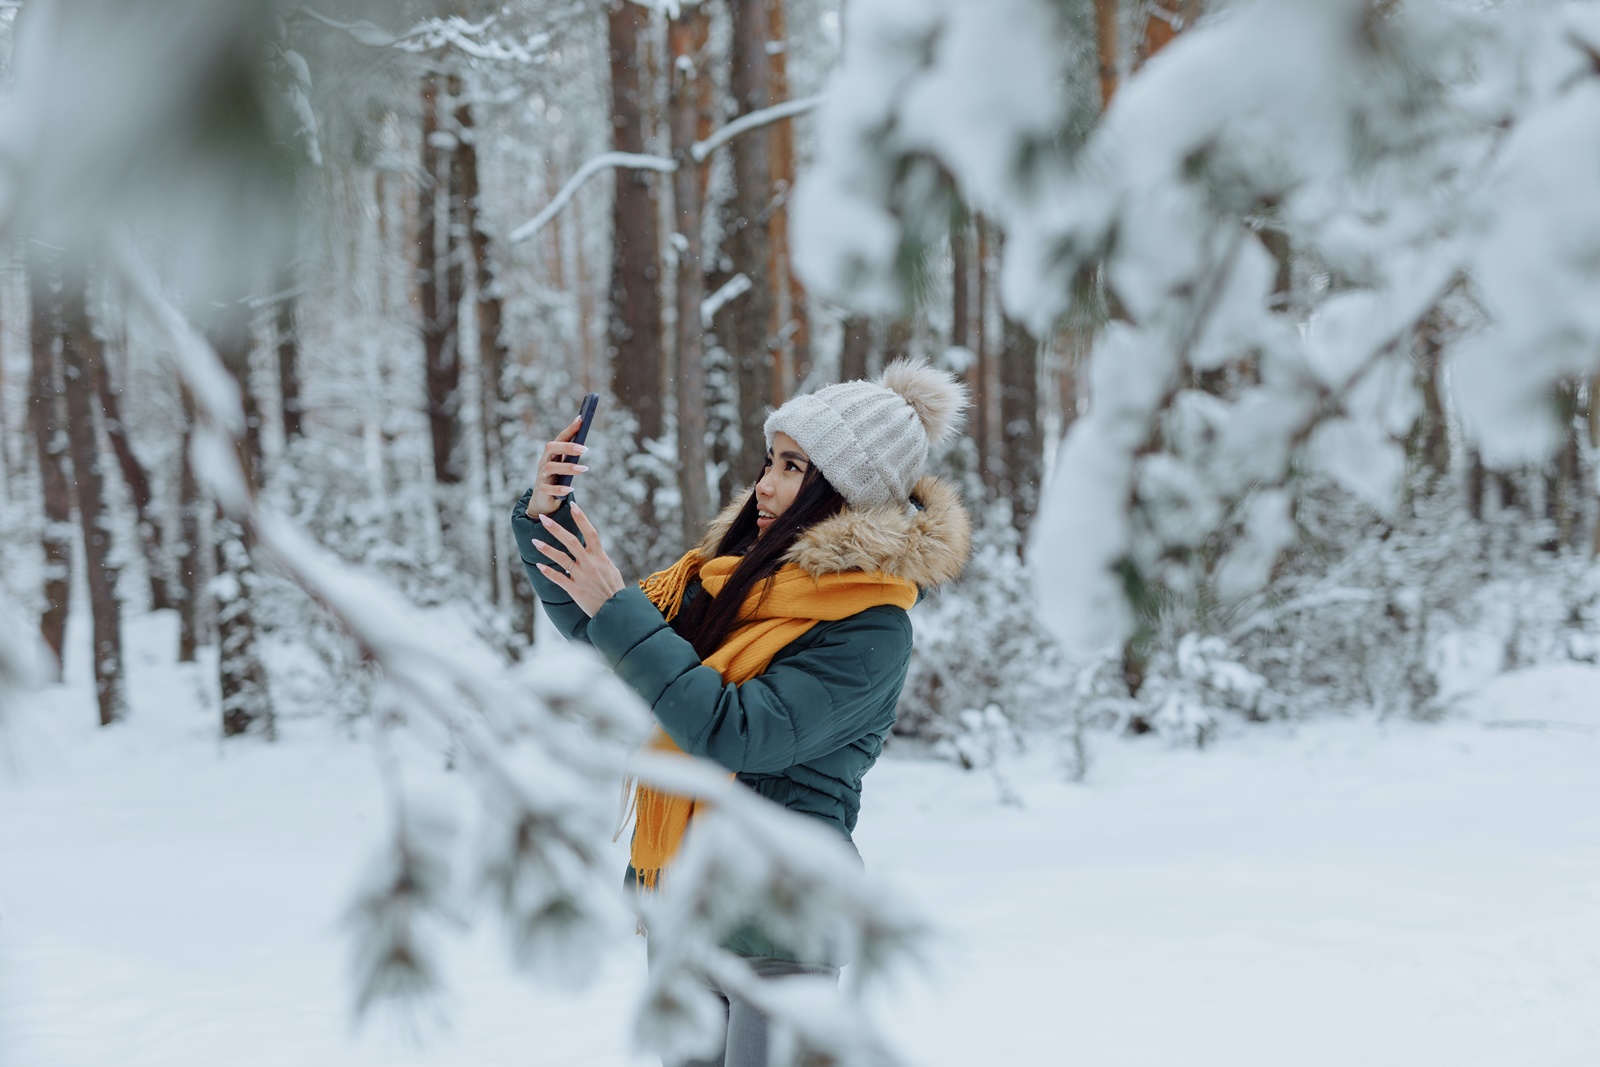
(927, 544)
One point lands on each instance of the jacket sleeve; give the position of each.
(807, 703)
(568, 617)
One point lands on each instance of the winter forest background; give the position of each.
(1280, 320)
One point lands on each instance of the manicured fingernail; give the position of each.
(580, 468)
(545, 519)
(580, 448)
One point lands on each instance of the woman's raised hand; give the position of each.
(547, 495)
(583, 570)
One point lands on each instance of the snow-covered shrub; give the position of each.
(1392, 618)
(979, 643)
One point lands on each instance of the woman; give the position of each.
(778, 647)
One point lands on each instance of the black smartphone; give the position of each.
(585, 418)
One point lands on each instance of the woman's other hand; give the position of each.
(547, 495)
(590, 578)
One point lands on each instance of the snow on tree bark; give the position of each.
(80, 354)
(46, 421)
(134, 476)
(246, 701)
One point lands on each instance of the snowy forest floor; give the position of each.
(1340, 893)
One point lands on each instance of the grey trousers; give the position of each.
(747, 1028)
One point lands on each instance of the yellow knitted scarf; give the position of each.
(775, 613)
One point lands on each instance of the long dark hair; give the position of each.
(707, 620)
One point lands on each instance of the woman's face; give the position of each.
(786, 468)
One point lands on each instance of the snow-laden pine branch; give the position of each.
(546, 764)
(1418, 165)
(437, 34)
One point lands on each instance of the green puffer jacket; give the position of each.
(805, 731)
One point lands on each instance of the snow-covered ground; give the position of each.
(1345, 893)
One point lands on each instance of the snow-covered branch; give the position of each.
(755, 119)
(604, 161)
(699, 152)
(732, 289)
(437, 34)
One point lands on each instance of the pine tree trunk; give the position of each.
(1561, 480)
(746, 334)
(492, 353)
(80, 355)
(438, 283)
(897, 337)
(1022, 446)
(189, 555)
(634, 322)
(137, 481)
(689, 107)
(1432, 438)
(46, 420)
(984, 388)
(855, 347)
(245, 699)
(1105, 35)
(288, 338)
(1477, 480)
(1594, 443)
(960, 287)
(790, 324)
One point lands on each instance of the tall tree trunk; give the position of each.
(492, 353)
(1432, 438)
(439, 281)
(984, 387)
(790, 326)
(746, 334)
(1105, 36)
(897, 335)
(138, 482)
(960, 286)
(634, 323)
(689, 108)
(46, 420)
(189, 554)
(1594, 443)
(288, 337)
(855, 347)
(246, 701)
(80, 354)
(1022, 446)
(1477, 480)
(1561, 480)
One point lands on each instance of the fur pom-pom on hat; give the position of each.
(871, 439)
(939, 400)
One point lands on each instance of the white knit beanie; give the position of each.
(871, 439)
